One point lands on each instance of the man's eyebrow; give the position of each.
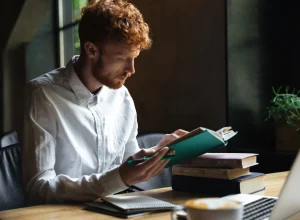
(119, 53)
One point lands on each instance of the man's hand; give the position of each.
(169, 137)
(132, 174)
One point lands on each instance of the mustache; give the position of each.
(127, 75)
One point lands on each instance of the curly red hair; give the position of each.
(115, 20)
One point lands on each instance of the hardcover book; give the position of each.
(210, 172)
(198, 142)
(223, 160)
(249, 184)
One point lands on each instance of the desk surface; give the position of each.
(273, 182)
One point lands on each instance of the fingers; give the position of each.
(143, 171)
(154, 159)
(176, 134)
(180, 132)
(170, 137)
(171, 152)
(153, 150)
(143, 153)
(167, 139)
(159, 169)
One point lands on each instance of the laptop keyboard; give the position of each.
(259, 209)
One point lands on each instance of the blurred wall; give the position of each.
(181, 81)
(21, 20)
(41, 53)
(263, 51)
(8, 16)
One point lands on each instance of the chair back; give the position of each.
(8, 138)
(11, 191)
(159, 181)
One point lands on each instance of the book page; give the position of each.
(224, 134)
(214, 133)
(228, 135)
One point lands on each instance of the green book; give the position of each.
(198, 142)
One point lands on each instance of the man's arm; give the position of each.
(41, 182)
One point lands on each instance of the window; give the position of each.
(69, 12)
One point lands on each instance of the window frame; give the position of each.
(64, 8)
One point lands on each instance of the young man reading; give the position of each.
(80, 121)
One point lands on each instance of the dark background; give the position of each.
(212, 64)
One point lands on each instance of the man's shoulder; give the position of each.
(55, 77)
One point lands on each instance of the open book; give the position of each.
(198, 142)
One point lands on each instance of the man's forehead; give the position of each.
(115, 48)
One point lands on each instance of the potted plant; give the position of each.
(285, 111)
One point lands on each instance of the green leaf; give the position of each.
(285, 105)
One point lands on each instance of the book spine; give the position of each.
(221, 163)
(200, 172)
(206, 186)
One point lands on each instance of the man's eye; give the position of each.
(121, 58)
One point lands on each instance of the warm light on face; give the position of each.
(115, 64)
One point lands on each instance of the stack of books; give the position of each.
(218, 174)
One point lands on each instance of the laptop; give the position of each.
(273, 208)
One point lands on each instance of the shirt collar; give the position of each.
(81, 92)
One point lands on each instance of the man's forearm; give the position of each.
(49, 188)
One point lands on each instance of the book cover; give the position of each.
(216, 173)
(130, 203)
(198, 142)
(223, 160)
(219, 187)
(108, 209)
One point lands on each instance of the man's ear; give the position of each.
(91, 50)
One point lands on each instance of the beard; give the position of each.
(113, 83)
(105, 77)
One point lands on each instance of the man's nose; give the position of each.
(130, 67)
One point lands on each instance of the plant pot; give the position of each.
(287, 137)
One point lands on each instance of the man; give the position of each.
(80, 121)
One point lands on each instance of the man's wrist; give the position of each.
(122, 174)
(113, 181)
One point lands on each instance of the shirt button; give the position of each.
(95, 99)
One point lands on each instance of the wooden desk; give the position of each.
(273, 182)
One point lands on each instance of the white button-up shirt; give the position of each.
(74, 141)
